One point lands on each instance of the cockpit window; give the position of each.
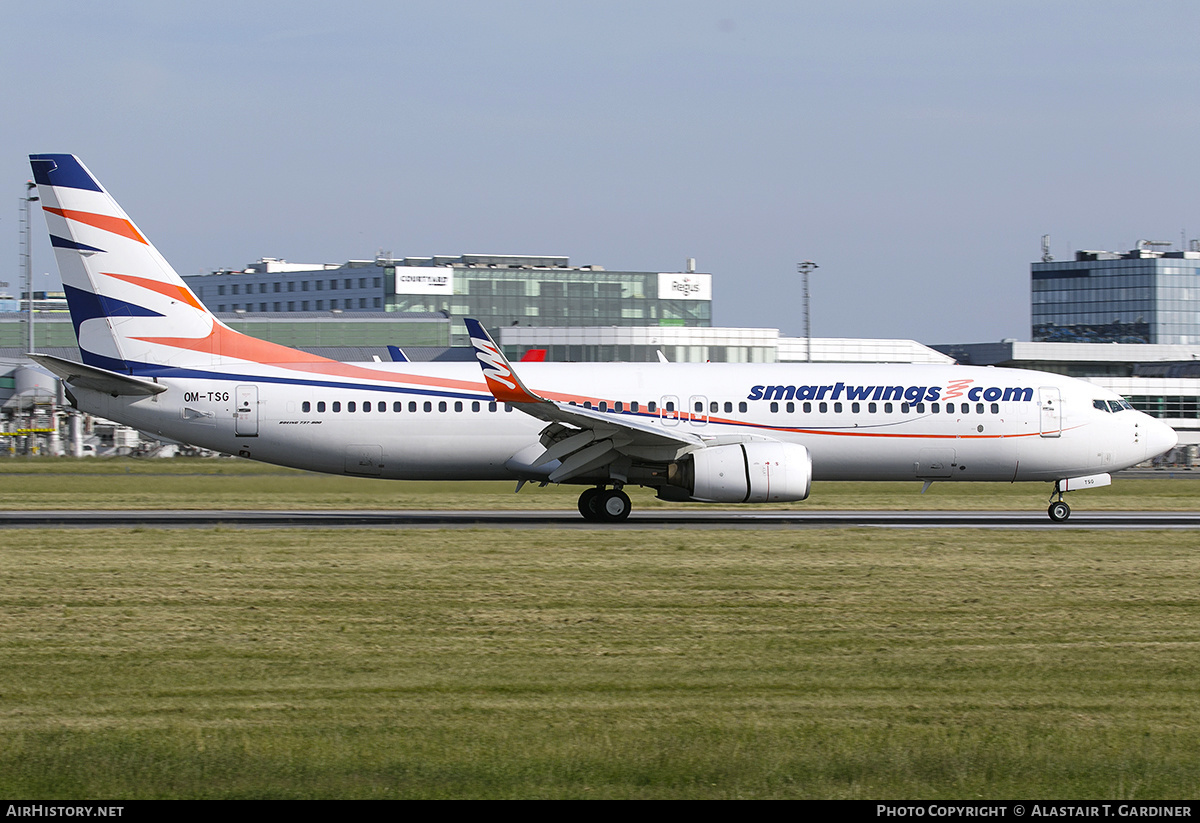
(1102, 405)
(1115, 406)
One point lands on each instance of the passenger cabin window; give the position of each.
(337, 405)
(306, 406)
(351, 406)
(320, 405)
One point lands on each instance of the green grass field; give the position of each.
(673, 663)
(388, 663)
(241, 484)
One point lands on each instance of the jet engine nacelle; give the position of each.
(752, 472)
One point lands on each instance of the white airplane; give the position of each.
(156, 359)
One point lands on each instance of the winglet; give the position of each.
(497, 371)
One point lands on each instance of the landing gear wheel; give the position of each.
(1059, 511)
(589, 504)
(614, 505)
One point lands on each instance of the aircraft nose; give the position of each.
(1158, 437)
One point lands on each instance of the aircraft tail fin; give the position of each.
(132, 313)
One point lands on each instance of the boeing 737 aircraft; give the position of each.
(156, 359)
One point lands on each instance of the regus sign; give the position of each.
(684, 286)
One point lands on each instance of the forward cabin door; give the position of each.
(1050, 411)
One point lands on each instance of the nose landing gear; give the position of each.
(600, 505)
(1059, 511)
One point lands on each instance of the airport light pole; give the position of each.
(28, 252)
(804, 269)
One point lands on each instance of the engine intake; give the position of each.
(753, 472)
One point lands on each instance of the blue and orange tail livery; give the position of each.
(132, 313)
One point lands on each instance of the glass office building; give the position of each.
(1106, 297)
(498, 290)
(512, 290)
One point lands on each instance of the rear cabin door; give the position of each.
(246, 412)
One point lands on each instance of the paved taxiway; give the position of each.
(704, 519)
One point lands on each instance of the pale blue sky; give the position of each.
(916, 151)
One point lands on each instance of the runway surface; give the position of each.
(692, 519)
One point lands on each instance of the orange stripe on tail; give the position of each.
(116, 225)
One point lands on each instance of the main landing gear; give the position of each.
(1059, 511)
(604, 505)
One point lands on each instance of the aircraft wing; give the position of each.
(580, 439)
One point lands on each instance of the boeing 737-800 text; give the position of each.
(156, 359)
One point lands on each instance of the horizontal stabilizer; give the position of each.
(91, 377)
